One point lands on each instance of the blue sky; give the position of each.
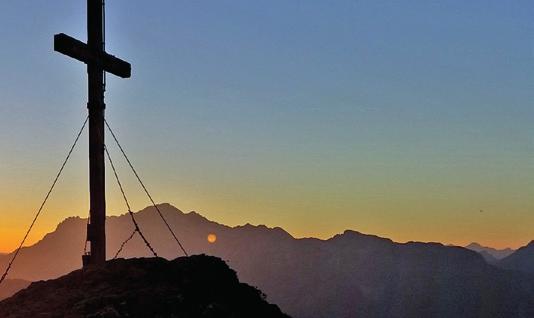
(400, 118)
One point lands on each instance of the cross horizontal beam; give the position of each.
(78, 50)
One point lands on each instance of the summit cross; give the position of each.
(98, 63)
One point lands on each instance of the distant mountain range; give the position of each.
(348, 275)
(491, 255)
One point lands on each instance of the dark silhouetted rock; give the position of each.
(11, 286)
(196, 286)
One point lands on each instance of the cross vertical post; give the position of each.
(98, 62)
(96, 107)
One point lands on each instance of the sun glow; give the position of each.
(212, 238)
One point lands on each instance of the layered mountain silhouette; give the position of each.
(491, 255)
(522, 260)
(348, 275)
(188, 287)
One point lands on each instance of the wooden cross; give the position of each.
(98, 62)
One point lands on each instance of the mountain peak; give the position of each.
(352, 234)
(69, 220)
(162, 207)
(261, 228)
(474, 245)
(490, 254)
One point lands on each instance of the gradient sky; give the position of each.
(403, 119)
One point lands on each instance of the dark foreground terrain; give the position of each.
(11, 286)
(196, 286)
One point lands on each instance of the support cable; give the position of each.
(10, 264)
(124, 244)
(136, 225)
(145, 189)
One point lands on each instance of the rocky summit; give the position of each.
(195, 286)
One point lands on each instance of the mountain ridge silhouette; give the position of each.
(492, 255)
(521, 260)
(350, 274)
